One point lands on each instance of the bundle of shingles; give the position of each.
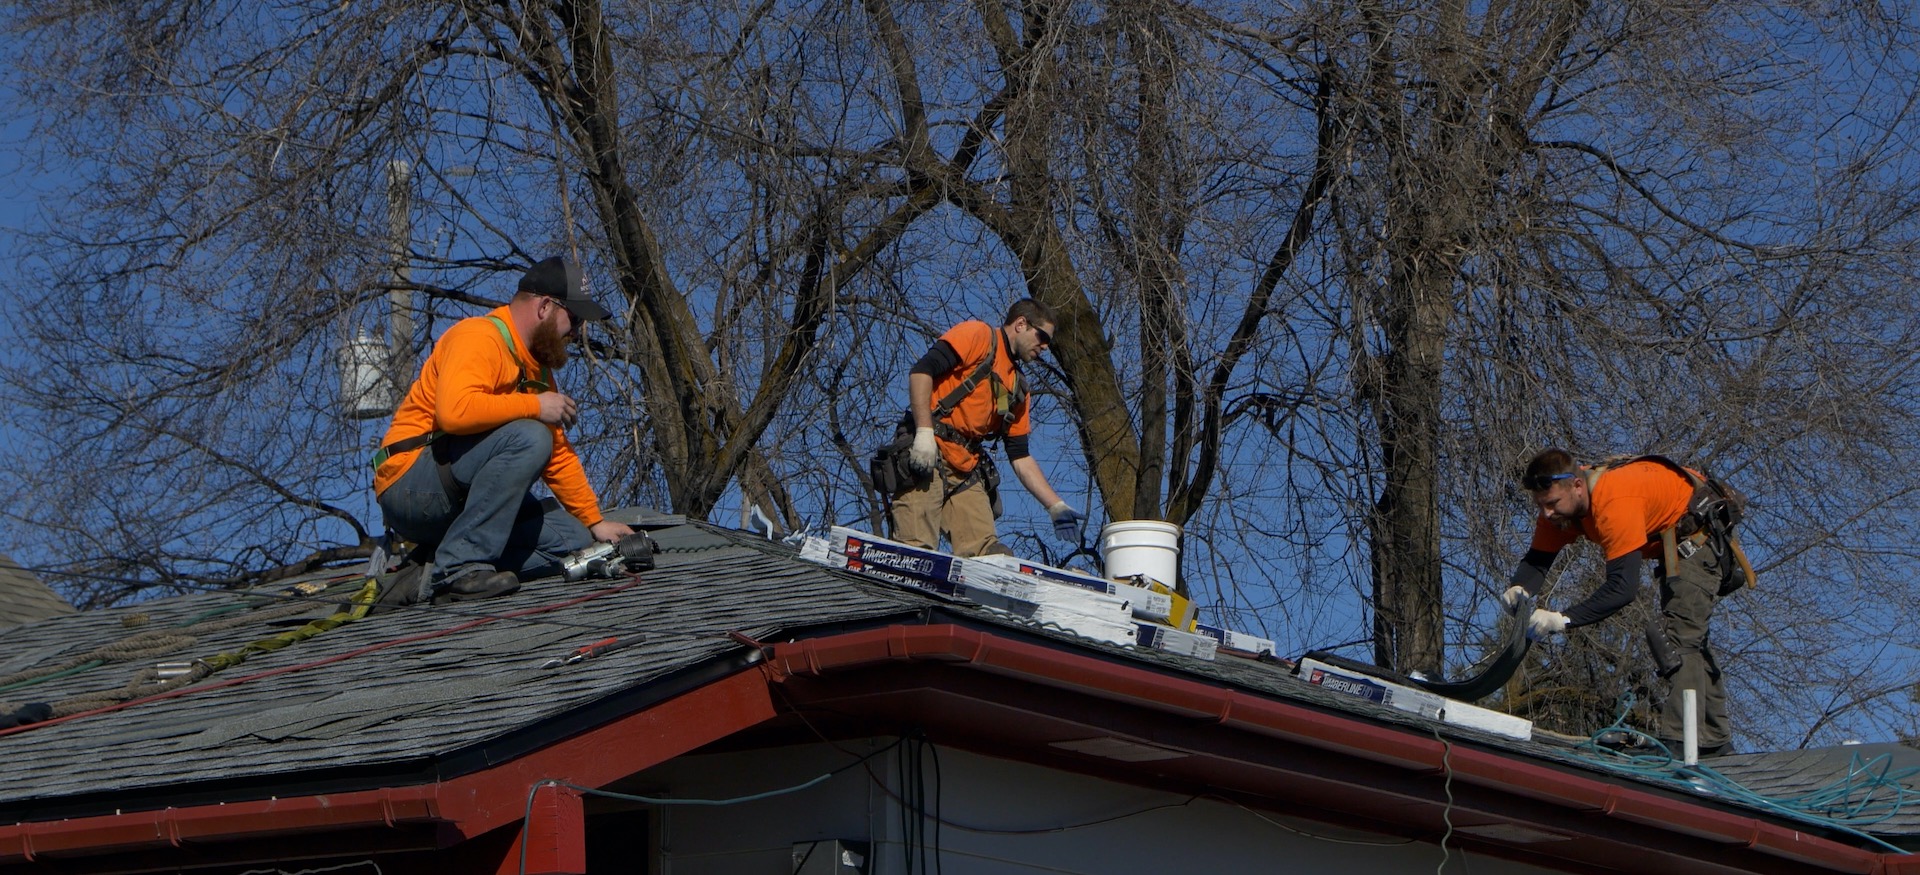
(1135, 612)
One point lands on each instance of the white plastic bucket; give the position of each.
(1148, 547)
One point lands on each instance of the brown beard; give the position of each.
(548, 347)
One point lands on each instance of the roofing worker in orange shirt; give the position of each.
(480, 425)
(957, 492)
(1624, 510)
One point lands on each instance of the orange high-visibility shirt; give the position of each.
(468, 386)
(1629, 507)
(974, 416)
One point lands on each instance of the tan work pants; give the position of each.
(921, 514)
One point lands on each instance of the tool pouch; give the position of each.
(990, 480)
(1665, 661)
(891, 467)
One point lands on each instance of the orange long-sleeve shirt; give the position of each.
(1630, 506)
(469, 385)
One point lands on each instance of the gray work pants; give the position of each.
(500, 525)
(1687, 597)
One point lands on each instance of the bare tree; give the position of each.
(1327, 273)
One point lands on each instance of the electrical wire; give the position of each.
(1446, 814)
(943, 821)
(356, 863)
(527, 815)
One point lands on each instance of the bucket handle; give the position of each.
(1083, 549)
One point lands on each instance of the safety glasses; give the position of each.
(1542, 482)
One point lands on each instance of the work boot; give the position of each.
(476, 584)
(1706, 751)
(1626, 742)
(400, 589)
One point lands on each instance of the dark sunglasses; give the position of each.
(1046, 337)
(573, 319)
(1542, 482)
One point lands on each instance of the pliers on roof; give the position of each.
(597, 648)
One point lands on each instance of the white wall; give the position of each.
(1215, 837)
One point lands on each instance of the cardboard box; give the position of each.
(1109, 629)
(1486, 720)
(865, 552)
(1238, 642)
(1421, 702)
(1147, 603)
(1100, 615)
(1171, 640)
(1372, 689)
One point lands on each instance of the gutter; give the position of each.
(466, 806)
(463, 807)
(1330, 732)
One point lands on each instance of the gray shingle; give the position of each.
(23, 598)
(426, 682)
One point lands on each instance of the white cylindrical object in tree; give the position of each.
(366, 389)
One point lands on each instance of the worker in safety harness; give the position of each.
(1646, 507)
(480, 425)
(968, 389)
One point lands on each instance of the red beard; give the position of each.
(548, 346)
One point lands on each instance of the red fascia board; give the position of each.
(471, 804)
(1301, 724)
(243, 820)
(477, 803)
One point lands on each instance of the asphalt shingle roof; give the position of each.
(24, 598)
(439, 680)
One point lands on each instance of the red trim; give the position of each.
(473, 805)
(1325, 731)
(470, 804)
(556, 835)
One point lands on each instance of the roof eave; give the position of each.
(469, 805)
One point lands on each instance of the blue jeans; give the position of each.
(500, 525)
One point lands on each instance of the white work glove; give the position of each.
(1544, 623)
(926, 452)
(1513, 595)
(1066, 522)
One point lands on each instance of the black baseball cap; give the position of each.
(559, 278)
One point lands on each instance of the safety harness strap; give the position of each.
(959, 393)
(521, 384)
(1694, 525)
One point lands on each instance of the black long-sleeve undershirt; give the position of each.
(1618, 591)
(942, 358)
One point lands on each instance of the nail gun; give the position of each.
(610, 559)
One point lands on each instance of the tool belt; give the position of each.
(891, 470)
(893, 473)
(1713, 514)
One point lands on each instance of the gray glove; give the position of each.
(1513, 595)
(1066, 522)
(1544, 623)
(925, 453)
